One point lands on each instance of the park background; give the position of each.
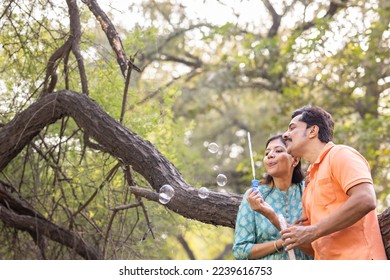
(204, 72)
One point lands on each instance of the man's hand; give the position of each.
(298, 236)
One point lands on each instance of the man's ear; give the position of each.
(313, 131)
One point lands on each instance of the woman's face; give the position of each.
(277, 161)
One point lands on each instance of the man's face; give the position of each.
(296, 137)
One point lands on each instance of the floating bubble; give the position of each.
(221, 180)
(203, 192)
(213, 148)
(166, 193)
(241, 133)
(168, 190)
(163, 198)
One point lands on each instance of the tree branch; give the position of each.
(334, 7)
(111, 33)
(276, 19)
(17, 213)
(129, 148)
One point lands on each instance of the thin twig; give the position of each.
(108, 177)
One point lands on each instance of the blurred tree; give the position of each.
(79, 182)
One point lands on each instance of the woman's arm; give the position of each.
(245, 244)
(263, 249)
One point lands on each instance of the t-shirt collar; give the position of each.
(323, 153)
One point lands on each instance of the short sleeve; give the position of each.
(349, 167)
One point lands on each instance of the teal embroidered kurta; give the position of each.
(252, 227)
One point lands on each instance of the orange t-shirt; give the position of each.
(335, 171)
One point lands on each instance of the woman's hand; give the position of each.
(258, 204)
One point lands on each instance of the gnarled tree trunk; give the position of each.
(384, 223)
(130, 149)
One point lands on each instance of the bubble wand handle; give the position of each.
(283, 225)
(255, 183)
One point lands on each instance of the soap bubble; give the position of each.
(166, 193)
(213, 148)
(203, 192)
(163, 198)
(221, 180)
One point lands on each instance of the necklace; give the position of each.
(286, 206)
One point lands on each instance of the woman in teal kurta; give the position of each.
(255, 237)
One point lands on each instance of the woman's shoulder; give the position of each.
(301, 184)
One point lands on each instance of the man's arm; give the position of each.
(361, 201)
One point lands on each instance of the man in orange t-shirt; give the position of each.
(339, 200)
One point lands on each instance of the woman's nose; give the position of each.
(271, 154)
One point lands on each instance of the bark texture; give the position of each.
(218, 209)
(120, 142)
(384, 224)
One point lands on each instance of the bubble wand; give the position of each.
(283, 225)
(255, 183)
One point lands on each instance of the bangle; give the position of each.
(276, 247)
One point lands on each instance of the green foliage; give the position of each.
(244, 82)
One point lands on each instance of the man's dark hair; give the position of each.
(314, 115)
